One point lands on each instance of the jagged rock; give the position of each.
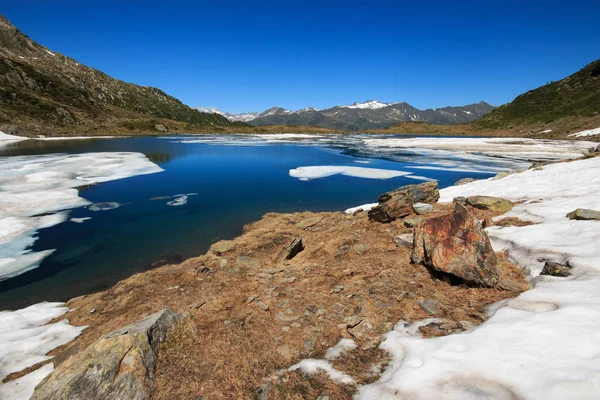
(584, 214)
(512, 285)
(460, 199)
(398, 203)
(456, 244)
(467, 325)
(495, 204)
(412, 222)
(463, 181)
(161, 128)
(404, 240)
(222, 247)
(294, 248)
(422, 208)
(119, 365)
(556, 269)
(431, 307)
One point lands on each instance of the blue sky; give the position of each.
(244, 56)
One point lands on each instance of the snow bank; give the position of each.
(25, 339)
(7, 139)
(589, 132)
(316, 172)
(35, 188)
(545, 344)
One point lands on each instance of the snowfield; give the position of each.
(544, 344)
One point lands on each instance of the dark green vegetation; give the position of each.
(46, 93)
(577, 95)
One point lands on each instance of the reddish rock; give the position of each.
(457, 244)
(398, 203)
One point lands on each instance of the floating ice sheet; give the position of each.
(35, 188)
(545, 344)
(322, 171)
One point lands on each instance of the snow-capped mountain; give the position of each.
(371, 114)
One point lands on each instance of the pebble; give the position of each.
(338, 289)
(263, 306)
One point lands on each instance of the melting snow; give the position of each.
(589, 132)
(312, 366)
(80, 220)
(342, 346)
(545, 344)
(34, 188)
(364, 207)
(25, 339)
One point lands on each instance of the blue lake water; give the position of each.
(236, 181)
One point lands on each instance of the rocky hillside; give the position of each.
(369, 115)
(575, 96)
(42, 91)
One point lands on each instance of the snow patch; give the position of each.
(7, 139)
(364, 207)
(49, 52)
(342, 346)
(589, 132)
(368, 105)
(544, 344)
(25, 339)
(312, 366)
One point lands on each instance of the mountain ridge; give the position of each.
(370, 114)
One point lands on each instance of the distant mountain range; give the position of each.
(370, 114)
(44, 92)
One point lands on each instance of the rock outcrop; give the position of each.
(119, 365)
(398, 203)
(556, 269)
(495, 204)
(457, 244)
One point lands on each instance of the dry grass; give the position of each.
(228, 347)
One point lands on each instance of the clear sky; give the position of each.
(251, 55)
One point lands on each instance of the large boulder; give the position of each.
(398, 203)
(495, 204)
(119, 365)
(456, 244)
(584, 214)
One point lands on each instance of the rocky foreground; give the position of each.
(242, 320)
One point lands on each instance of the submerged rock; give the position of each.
(495, 204)
(398, 203)
(119, 365)
(556, 269)
(457, 244)
(584, 214)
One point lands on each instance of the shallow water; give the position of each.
(229, 181)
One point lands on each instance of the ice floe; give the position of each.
(25, 339)
(175, 200)
(323, 171)
(104, 206)
(35, 188)
(80, 220)
(544, 344)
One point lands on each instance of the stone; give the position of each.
(404, 240)
(119, 365)
(422, 208)
(287, 352)
(309, 222)
(361, 249)
(457, 244)
(276, 270)
(584, 214)
(337, 289)
(362, 330)
(262, 306)
(161, 128)
(398, 203)
(309, 344)
(431, 307)
(412, 222)
(247, 262)
(495, 204)
(353, 321)
(555, 269)
(294, 248)
(222, 247)
(466, 325)
(460, 199)
(500, 175)
(463, 181)
(512, 285)
(402, 296)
